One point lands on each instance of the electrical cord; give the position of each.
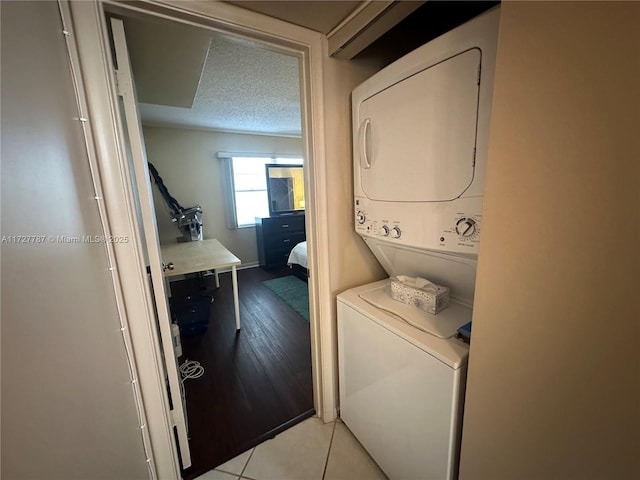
(191, 369)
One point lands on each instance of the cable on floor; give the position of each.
(191, 369)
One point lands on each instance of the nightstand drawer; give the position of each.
(287, 223)
(278, 257)
(283, 240)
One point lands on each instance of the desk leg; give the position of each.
(234, 278)
(217, 278)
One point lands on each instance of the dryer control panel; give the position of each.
(455, 229)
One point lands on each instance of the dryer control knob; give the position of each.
(360, 218)
(466, 227)
(384, 230)
(396, 232)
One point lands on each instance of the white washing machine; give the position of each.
(401, 389)
(420, 129)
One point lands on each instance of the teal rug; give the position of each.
(292, 291)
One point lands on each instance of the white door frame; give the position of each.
(90, 37)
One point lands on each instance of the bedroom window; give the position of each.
(245, 186)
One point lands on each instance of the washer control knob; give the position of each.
(466, 227)
(384, 230)
(396, 232)
(360, 217)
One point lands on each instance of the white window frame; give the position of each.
(228, 180)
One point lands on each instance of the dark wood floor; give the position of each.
(257, 382)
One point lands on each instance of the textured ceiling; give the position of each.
(195, 78)
(244, 88)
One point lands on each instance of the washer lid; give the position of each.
(450, 351)
(443, 325)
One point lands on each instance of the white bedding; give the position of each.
(299, 255)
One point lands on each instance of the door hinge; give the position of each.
(123, 86)
(117, 76)
(173, 418)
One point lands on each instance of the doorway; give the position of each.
(234, 357)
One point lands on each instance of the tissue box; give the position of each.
(425, 299)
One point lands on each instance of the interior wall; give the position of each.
(188, 164)
(67, 403)
(351, 263)
(554, 378)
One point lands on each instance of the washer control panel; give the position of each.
(442, 226)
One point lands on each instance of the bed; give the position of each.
(298, 261)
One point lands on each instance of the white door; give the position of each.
(126, 91)
(420, 133)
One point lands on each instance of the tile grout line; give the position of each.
(241, 471)
(246, 464)
(326, 462)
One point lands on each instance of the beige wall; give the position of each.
(188, 164)
(67, 403)
(351, 262)
(554, 375)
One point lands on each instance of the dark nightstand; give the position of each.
(276, 236)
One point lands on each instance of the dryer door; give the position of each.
(417, 137)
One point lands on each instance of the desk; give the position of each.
(199, 256)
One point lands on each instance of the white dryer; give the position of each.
(420, 129)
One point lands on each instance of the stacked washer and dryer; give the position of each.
(420, 129)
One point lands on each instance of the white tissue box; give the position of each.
(431, 298)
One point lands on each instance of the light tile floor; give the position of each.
(310, 450)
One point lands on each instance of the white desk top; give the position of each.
(198, 256)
